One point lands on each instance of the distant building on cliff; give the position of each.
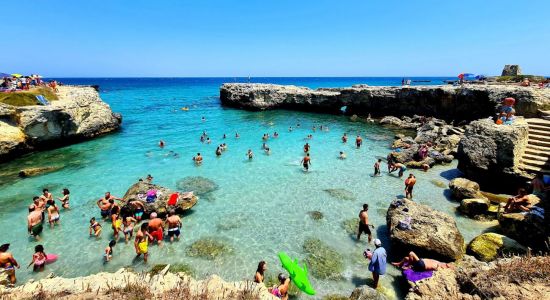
(511, 70)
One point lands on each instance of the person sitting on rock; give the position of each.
(518, 203)
(412, 261)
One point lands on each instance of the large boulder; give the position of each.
(31, 172)
(462, 188)
(394, 121)
(528, 229)
(139, 191)
(489, 246)
(489, 151)
(443, 285)
(474, 207)
(432, 234)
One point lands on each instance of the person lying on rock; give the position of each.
(518, 203)
(412, 261)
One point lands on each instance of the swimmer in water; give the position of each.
(174, 225)
(128, 229)
(65, 199)
(345, 138)
(219, 150)
(306, 148)
(197, 159)
(203, 119)
(290, 129)
(224, 136)
(250, 154)
(237, 135)
(275, 134)
(161, 143)
(306, 162)
(342, 155)
(358, 141)
(267, 150)
(224, 146)
(95, 228)
(108, 255)
(208, 141)
(377, 167)
(409, 184)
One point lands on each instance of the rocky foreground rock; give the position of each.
(79, 114)
(427, 232)
(448, 102)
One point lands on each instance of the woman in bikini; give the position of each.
(259, 276)
(95, 228)
(65, 199)
(53, 214)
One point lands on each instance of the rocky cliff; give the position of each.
(79, 114)
(448, 102)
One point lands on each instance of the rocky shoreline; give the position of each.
(446, 102)
(79, 114)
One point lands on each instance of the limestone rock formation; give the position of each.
(30, 172)
(528, 229)
(448, 102)
(78, 114)
(489, 151)
(489, 246)
(442, 285)
(125, 284)
(474, 207)
(462, 188)
(432, 234)
(139, 191)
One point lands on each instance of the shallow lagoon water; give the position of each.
(261, 206)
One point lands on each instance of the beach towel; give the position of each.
(414, 276)
(173, 199)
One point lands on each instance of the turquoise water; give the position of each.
(261, 206)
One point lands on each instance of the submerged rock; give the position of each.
(231, 222)
(432, 234)
(489, 246)
(322, 260)
(438, 183)
(316, 215)
(138, 192)
(30, 172)
(208, 248)
(351, 225)
(341, 194)
(462, 188)
(198, 184)
(365, 292)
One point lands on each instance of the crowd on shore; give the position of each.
(15, 83)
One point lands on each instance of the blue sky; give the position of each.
(273, 37)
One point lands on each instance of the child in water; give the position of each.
(38, 259)
(108, 255)
(95, 228)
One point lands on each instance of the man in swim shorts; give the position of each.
(8, 263)
(105, 205)
(174, 225)
(34, 222)
(46, 195)
(141, 242)
(156, 228)
(409, 184)
(358, 141)
(306, 162)
(198, 159)
(412, 261)
(364, 223)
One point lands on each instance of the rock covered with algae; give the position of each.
(351, 225)
(323, 261)
(316, 215)
(201, 186)
(208, 248)
(341, 194)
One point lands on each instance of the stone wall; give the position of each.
(79, 114)
(489, 154)
(469, 102)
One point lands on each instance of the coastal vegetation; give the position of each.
(24, 98)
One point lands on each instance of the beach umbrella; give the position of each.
(16, 75)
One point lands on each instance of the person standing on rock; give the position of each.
(377, 263)
(8, 263)
(409, 184)
(364, 223)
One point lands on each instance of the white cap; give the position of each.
(377, 243)
(153, 215)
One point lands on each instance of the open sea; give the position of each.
(260, 206)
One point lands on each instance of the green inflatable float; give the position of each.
(297, 273)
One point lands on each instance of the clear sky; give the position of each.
(135, 38)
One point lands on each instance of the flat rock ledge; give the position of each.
(125, 284)
(78, 115)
